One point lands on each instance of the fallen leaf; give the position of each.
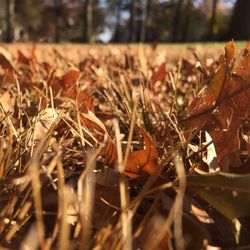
(46, 119)
(223, 106)
(108, 154)
(142, 160)
(22, 58)
(159, 75)
(228, 193)
(67, 85)
(6, 53)
(7, 102)
(95, 125)
(70, 78)
(5, 64)
(138, 161)
(65, 82)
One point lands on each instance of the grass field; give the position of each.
(124, 147)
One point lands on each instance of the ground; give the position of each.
(124, 146)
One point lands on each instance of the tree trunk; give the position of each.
(189, 5)
(177, 21)
(144, 20)
(87, 20)
(213, 20)
(9, 20)
(132, 35)
(239, 28)
(90, 20)
(116, 37)
(58, 12)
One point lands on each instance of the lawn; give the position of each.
(124, 146)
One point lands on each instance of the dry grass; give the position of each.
(57, 192)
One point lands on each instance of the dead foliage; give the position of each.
(124, 148)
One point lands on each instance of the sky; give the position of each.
(229, 3)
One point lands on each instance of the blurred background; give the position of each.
(124, 21)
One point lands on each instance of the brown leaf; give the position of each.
(33, 57)
(22, 58)
(94, 125)
(6, 65)
(223, 106)
(65, 82)
(7, 77)
(70, 78)
(142, 160)
(109, 154)
(187, 67)
(229, 52)
(159, 75)
(67, 85)
(48, 68)
(29, 61)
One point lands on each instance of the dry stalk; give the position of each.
(178, 205)
(80, 125)
(86, 193)
(131, 131)
(63, 201)
(126, 215)
(36, 189)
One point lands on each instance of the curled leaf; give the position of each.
(142, 160)
(93, 124)
(223, 106)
